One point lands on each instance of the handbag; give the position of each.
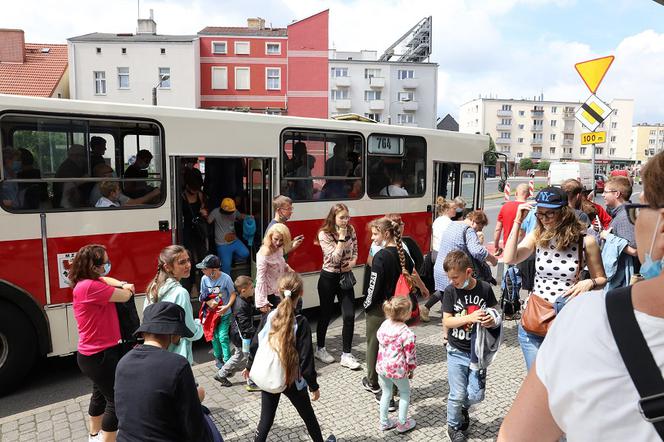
(129, 322)
(347, 280)
(198, 224)
(266, 370)
(404, 289)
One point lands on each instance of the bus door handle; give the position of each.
(163, 226)
(429, 208)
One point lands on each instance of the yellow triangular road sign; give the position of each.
(592, 71)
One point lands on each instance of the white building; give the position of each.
(386, 91)
(126, 67)
(547, 130)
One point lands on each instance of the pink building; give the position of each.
(272, 70)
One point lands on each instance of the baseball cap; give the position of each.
(164, 318)
(228, 205)
(209, 262)
(551, 198)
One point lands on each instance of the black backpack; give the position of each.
(510, 301)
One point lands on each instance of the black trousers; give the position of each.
(301, 402)
(328, 290)
(435, 297)
(100, 369)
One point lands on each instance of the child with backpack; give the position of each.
(217, 298)
(396, 362)
(281, 360)
(465, 303)
(241, 332)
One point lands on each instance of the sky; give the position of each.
(497, 48)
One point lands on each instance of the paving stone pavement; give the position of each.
(344, 408)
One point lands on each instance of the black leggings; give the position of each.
(301, 402)
(328, 289)
(435, 297)
(100, 369)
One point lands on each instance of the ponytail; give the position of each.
(402, 256)
(166, 257)
(282, 333)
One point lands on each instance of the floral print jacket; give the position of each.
(396, 355)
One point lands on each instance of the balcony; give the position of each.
(536, 155)
(504, 113)
(410, 83)
(566, 155)
(568, 115)
(342, 104)
(504, 127)
(538, 128)
(503, 141)
(342, 81)
(568, 142)
(536, 142)
(409, 106)
(376, 104)
(537, 113)
(376, 82)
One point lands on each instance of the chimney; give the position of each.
(12, 46)
(147, 25)
(256, 23)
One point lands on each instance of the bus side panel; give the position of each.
(23, 265)
(309, 258)
(133, 258)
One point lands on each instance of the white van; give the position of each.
(559, 172)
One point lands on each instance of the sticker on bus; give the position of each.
(64, 262)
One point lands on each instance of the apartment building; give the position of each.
(647, 141)
(402, 93)
(547, 130)
(259, 68)
(125, 67)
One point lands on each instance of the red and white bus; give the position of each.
(246, 156)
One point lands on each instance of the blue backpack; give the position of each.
(510, 301)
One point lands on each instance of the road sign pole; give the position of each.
(593, 162)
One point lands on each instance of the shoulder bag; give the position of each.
(267, 371)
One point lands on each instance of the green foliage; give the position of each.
(543, 165)
(526, 163)
(490, 158)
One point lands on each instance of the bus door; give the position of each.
(471, 189)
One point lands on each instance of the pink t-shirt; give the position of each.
(97, 318)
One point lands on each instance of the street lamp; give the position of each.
(162, 78)
(389, 115)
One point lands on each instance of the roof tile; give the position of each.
(39, 75)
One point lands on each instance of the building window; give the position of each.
(372, 95)
(554, 123)
(552, 137)
(568, 137)
(124, 50)
(506, 121)
(219, 47)
(552, 150)
(506, 107)
(520, 140)
(406, 96)
(241, 48)
(123, 78)
(273, 79)
(505, 149)
(402, 74)
(162, 51)
(521, 126)
(165, 84)
(521, 114)
(613, 138)
(506, 135)
(273, 48)
(242, 82)
(339, 72)
(98, 50)
(538, 122)
(100, 82)
(554, 109)
(614, 125)
(339, 94)
(537, 137)
(370, 73)
(219, 77)
(652, 141)
(653, 132)
(612, 151)
(519, 155)
(405, 119)
(375, 117)
(599, 150)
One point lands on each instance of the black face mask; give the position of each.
(458, 214)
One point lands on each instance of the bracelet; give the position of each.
(594, 283)
(341, 240)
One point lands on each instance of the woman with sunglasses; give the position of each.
(580, 385)
(561, 247)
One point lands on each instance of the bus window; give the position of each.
(317, 165)
(59, 163)
(468, 182)
(396, 166)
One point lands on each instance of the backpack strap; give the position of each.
(636, 355)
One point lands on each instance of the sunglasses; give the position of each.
(633, 210)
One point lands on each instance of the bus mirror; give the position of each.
(501, 185)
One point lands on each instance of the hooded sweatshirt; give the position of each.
(173, 292)
(396, 355)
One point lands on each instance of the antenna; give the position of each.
(138, 9)
(414, 45)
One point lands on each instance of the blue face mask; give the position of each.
(16, 166)
(466, 283)
(107, 269)
(652, 269)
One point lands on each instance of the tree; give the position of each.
(490, 154)
(543, 165)
(526, 164)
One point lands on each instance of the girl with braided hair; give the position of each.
(387, 265)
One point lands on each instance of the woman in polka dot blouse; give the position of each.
(555, 241)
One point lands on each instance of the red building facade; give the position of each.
(272, 70)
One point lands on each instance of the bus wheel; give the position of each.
(17, 346)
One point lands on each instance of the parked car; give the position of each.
(600, 181)
(559, 172)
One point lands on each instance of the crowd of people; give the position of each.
(562, 247)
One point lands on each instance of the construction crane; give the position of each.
(414, 46)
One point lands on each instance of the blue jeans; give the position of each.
(226, 253)
(403, 385)
(529, 343)
(466, 385)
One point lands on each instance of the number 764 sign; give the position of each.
(593, 138)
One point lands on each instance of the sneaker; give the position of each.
(424, 314)
(349, 361)
(465, 419)
(456, 435)
(223, 381)
(391, 423)
(251, 386)
(391, 407)
(95, 438)
(406, 426)
(370, 388)
(218, 363)
(322, 355)
(331, 438)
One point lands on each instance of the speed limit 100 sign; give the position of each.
(593, 138)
